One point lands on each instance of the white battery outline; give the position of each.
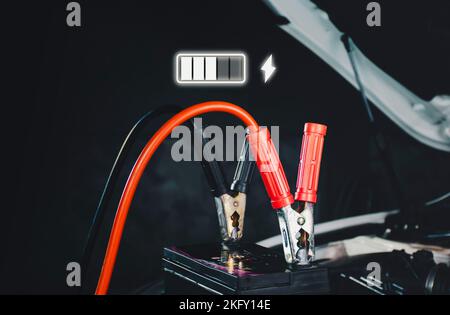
(187, 74)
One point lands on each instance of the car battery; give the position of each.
(239, 270)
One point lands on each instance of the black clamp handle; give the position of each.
(212, 169)
(216, 177)
(244, 170)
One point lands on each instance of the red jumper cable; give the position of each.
(138, 169)
(296, 221)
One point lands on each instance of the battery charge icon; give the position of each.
(210, 68)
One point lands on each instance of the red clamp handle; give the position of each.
(310, 157)
(270, 167)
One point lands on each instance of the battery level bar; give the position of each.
(210, 68)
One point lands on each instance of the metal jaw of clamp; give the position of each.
(295, 219)
(230, 200)
(297, 232)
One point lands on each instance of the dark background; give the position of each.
(72, 94)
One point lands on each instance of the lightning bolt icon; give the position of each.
(268, 68)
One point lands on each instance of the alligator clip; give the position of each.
(230, 202)
(296, 221)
